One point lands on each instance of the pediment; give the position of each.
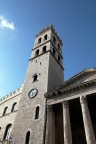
(82, 77)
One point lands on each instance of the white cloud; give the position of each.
(4, 23)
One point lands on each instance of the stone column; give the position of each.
(66, 124)
(50, 126)
(90, 138)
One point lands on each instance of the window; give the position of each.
(54, 51)
(4, 112)
(27, 137)
(54, 39)
(58, 46)
(37, 52)
(45, 37)
(58, 58)
(37, 112)
(39, 40)
(44, 49)
(35, 78)
(7, 134)
(13, 107)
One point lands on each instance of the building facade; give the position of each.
(47, 109)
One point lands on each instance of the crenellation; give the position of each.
(12, 94)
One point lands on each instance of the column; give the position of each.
(50, 126)
(90, 138)
(66, 124)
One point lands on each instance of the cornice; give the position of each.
(66, 90)
(51, 54)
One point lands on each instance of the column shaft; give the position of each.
(50, 126)
(90, 138)
(66, 124)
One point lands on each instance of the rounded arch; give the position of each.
(7, 134)
(39, 40)
(45, 37)
(44, 49)
(37, 52)
(58, 46)
(5, 110)
(14, 107)
(35, 77)
(27, 139)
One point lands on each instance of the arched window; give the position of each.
(37, 52)
(27, 137)
(37, 112)
(34, 78)
(39, 40)
(58, 46)
(54, 39)
(54, 51)
(58, 58)
(7, 134)
(5, 110)
(45, 37)
(44, 49)
(14, 107)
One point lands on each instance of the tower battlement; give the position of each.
(53, 29)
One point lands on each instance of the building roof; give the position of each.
(85, 77)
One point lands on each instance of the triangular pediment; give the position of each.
(82, 77)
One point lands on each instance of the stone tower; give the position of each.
(45, 72)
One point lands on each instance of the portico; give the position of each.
(73, 114)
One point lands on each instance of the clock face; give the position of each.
(33, 93)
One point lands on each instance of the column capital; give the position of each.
(83, 99)
(65, 104)
(49, 108)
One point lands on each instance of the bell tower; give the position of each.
(45, 72)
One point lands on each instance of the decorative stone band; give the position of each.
(69, 89)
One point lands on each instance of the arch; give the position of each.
(7, 134)
(34, 78)
(54, 39)
(37, 52)
(37, 112)
(39, 40)
(14, 107)
(54, 51)
(44, 49)
(5, 110)
(58, 58)
(27, 139)
(58, 46)
(45, 37)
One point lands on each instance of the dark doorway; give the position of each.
(78, 133)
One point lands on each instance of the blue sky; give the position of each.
(21, 20)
